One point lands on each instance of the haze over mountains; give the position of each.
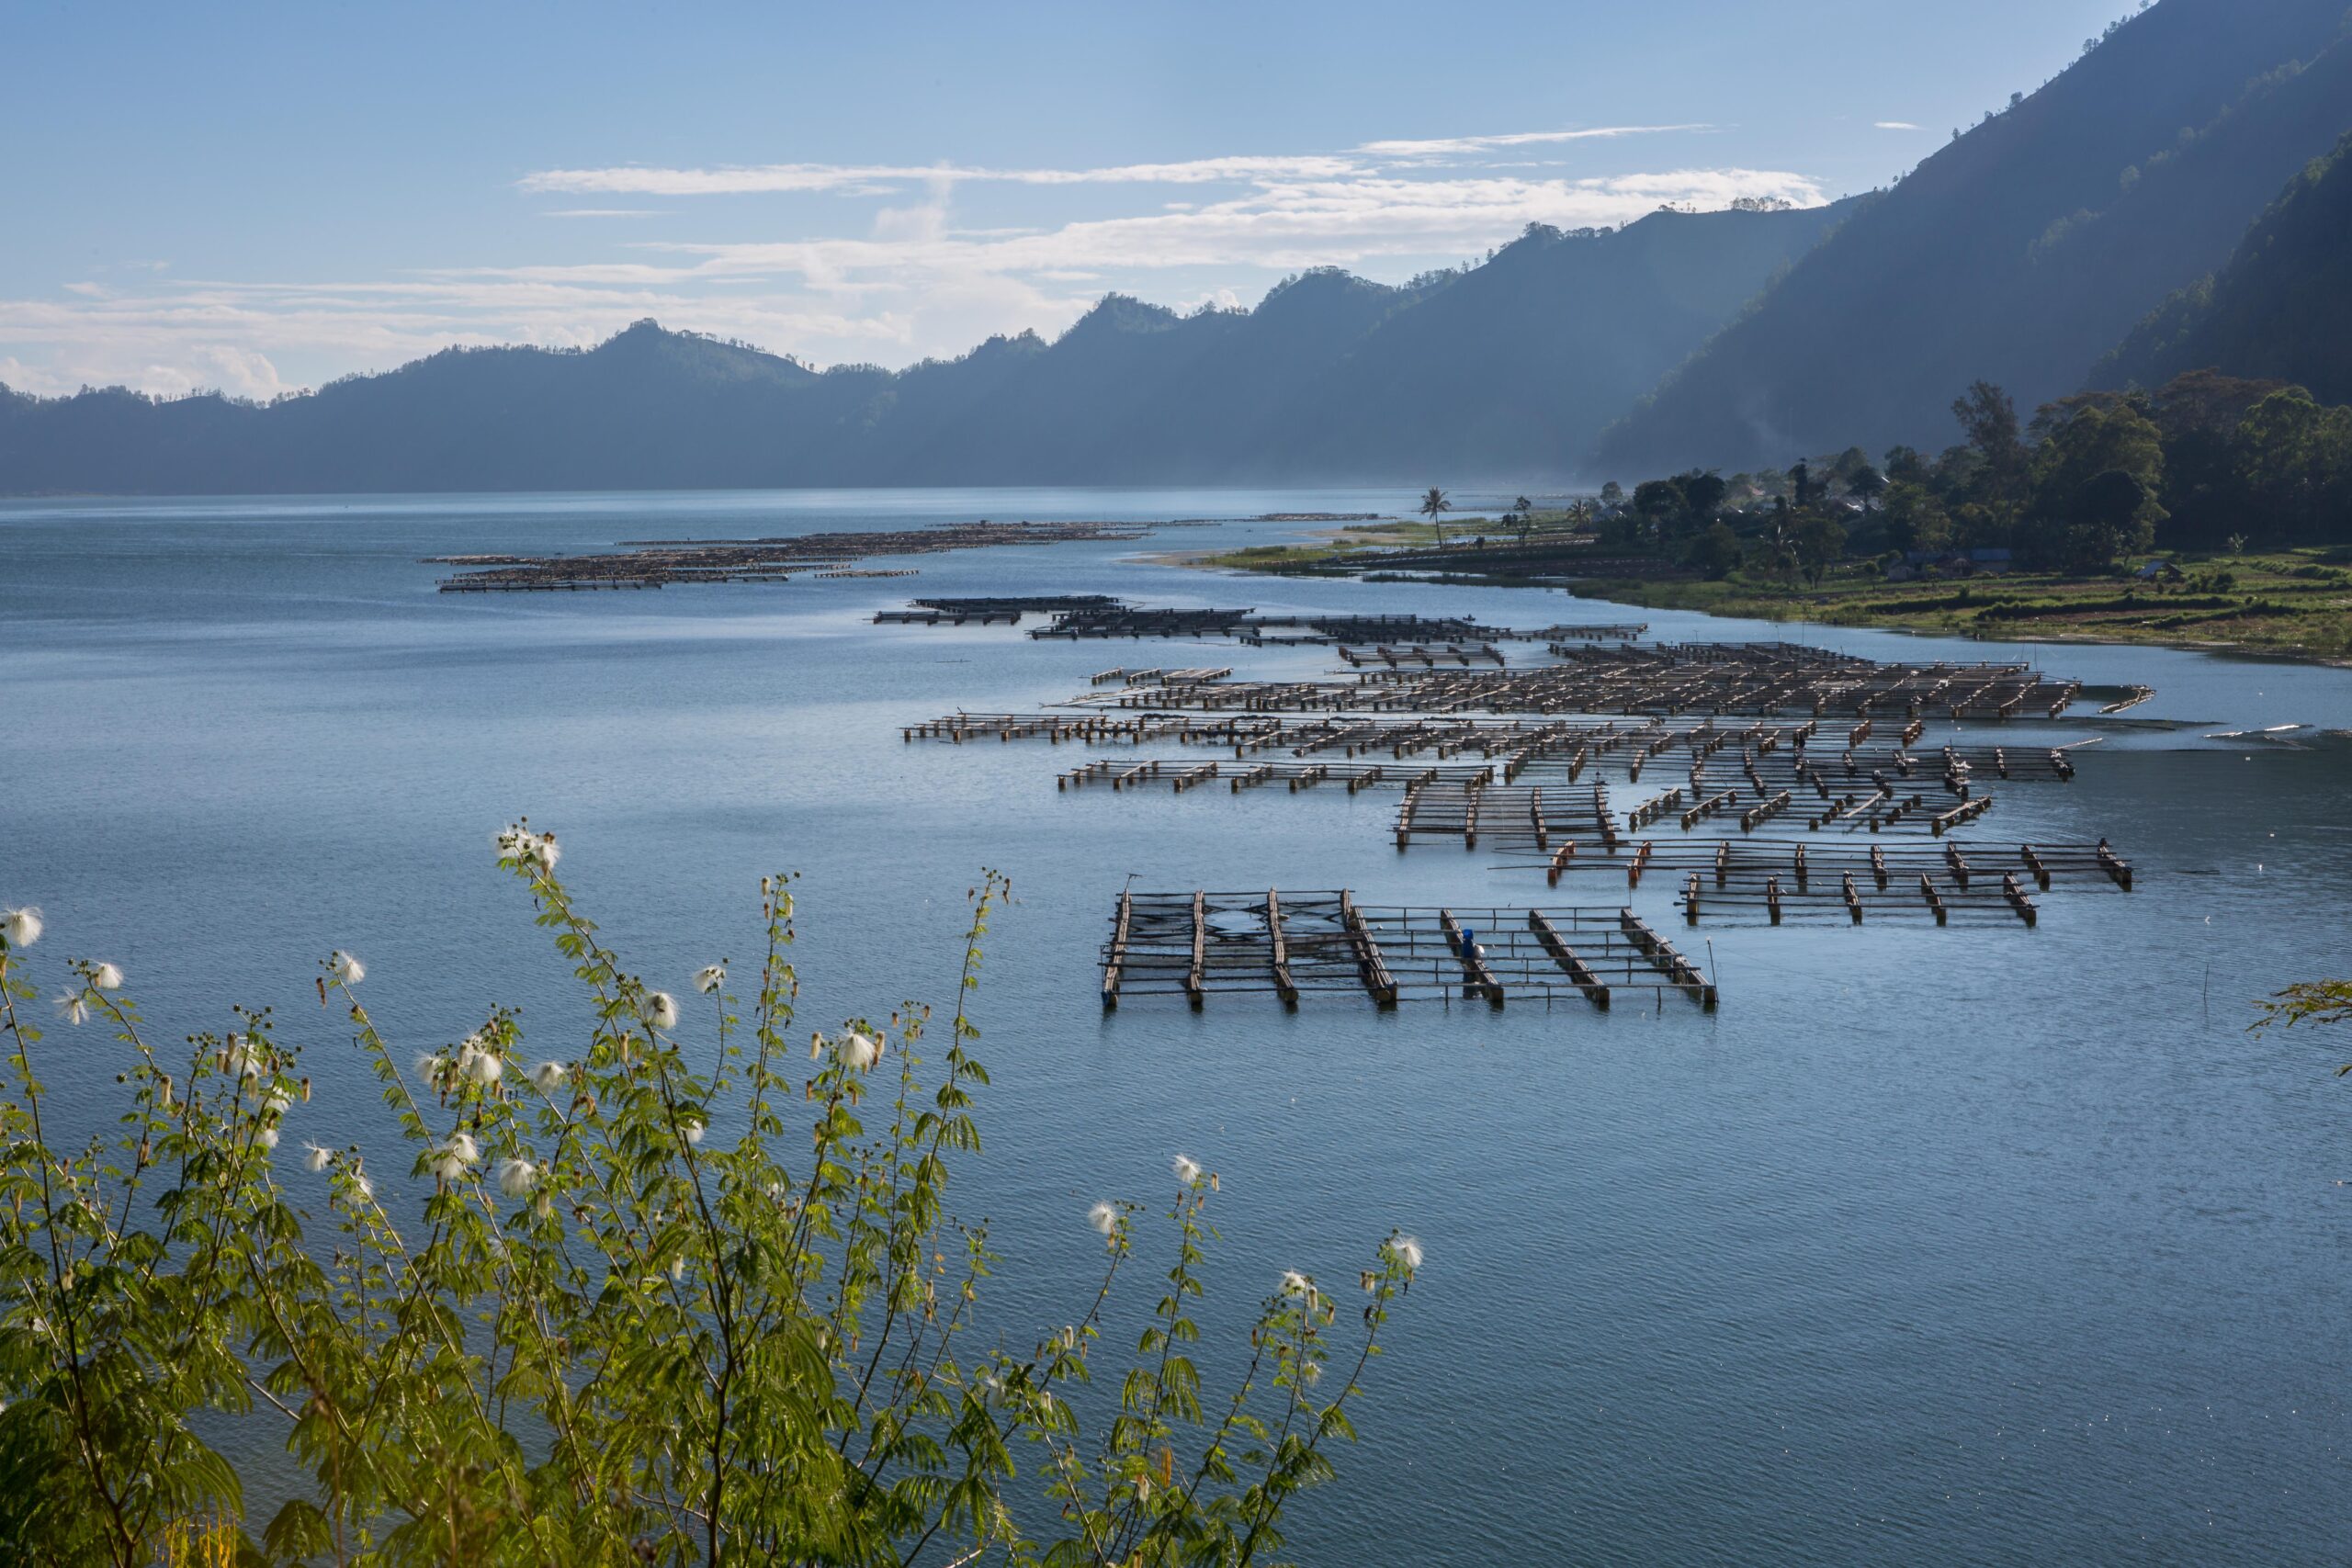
(2280, 310)
(2024, 252)
(2096, 231)
(1503, 369)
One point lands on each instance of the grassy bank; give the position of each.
(2294, 603)
(1336, 547)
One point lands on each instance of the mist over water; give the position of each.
(1970, 1245)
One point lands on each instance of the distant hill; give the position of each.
(2280, 310)
(1506, 371)
(2022, 252)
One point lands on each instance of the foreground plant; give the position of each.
(661, 1300)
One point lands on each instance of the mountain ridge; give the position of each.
(2023, 251)
(2280, 310)
(1331, 377)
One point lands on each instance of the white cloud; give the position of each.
(743, 179)
(1893, 124)
(752, 179)
(603, 212)
(1446, 146)
(1278, 227)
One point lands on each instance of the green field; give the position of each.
(2293, 602)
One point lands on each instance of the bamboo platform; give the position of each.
(1623, 632)
(946, 617)
(652, 563)
(1427, 655)
(1758, 680)
(1780, 878)
(1508, 816)
(1771, 755)
(1182, 773)
(1296, 944)
(1115, 618)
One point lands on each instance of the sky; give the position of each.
(260, 199)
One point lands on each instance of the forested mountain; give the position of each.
(2282, 309)
(2025, 250)
(1507, 369)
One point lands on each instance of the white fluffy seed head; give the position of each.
(710, 978)
(107, 977)
(1408, 1251)
(1103, 1217)
(660, 1009)
(548, 1076)
(859, 1050)
(1297, 1284)
(516, 1177)
(346, 968)
(693, 1132)
(73, 1006)
(266, 1137)
(481, 1068)
(316, 1158)
(21, 928)
(1187, 1170)
(246, 1058)
(519, 846)
(452, 1160)
(433, 1067)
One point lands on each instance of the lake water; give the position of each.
(1978, 1245)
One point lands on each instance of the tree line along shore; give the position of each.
(2214, 510)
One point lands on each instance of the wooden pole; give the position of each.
(1193, 988)
(1284, 986)
(1369, 967)
(1113, 970)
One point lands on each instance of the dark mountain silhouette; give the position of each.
(2282, 308)
(2025, 250)
(1505, 371)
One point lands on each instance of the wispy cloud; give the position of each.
(630, 179)
(1278, 227)
(602, 212)
(745, 179)
(1893, 124)
(1451, 146)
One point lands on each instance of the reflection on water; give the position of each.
(1982, 1244)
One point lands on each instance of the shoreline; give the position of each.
(1963, 615)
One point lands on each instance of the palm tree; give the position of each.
(1526, 510)
(1434, 505)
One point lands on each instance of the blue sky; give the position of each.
(260, 197)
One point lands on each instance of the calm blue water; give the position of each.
(1980, 1245)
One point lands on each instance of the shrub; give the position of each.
(615, 1310)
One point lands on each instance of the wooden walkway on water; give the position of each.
(1294, 945)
